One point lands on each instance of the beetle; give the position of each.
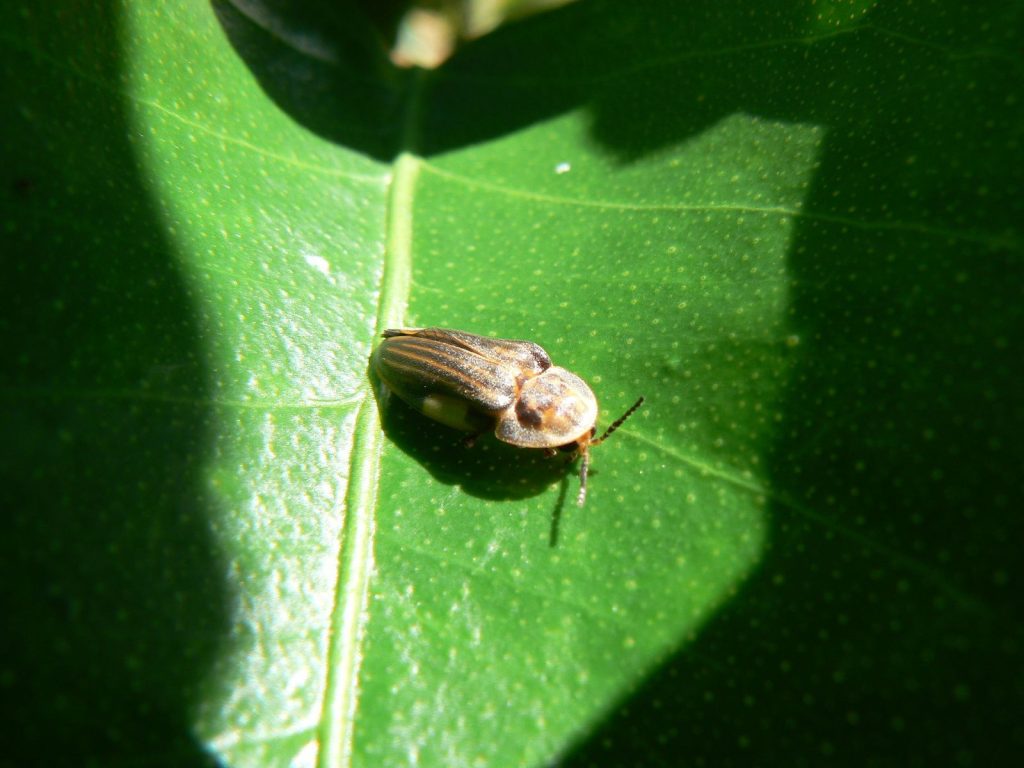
(478, 384)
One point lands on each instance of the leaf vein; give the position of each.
(995, 241)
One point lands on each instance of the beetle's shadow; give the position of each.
(490, 469)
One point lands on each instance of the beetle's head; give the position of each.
(581, 447)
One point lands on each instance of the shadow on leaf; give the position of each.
(114, 598)
(490, 469)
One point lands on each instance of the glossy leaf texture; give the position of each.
(795, 230)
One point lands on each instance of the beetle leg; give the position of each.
(470, 440)
(582, 497)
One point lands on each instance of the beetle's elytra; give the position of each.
(479, 384)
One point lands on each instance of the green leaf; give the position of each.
(795, 230)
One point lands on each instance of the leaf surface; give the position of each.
(795, 233)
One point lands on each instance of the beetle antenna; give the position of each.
(616, 424)
(583, 478)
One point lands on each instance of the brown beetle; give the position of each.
(478, 384)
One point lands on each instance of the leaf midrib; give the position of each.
(355, 558)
